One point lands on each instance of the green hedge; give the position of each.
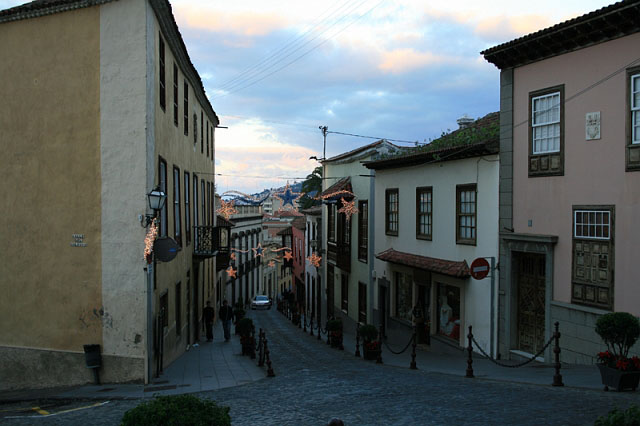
(177, 410)
(630, 417)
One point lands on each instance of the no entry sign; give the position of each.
(479, 268)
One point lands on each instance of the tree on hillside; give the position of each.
(311, 187)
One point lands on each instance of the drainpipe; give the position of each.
(493, 304)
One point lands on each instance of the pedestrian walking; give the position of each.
(209, 314)
(226, 316)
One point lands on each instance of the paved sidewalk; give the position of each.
(208, 366)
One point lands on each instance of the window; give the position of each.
(162, 89)
(208, 215)
(592, 272)
(187, 211)
(178, 309)
(203, 201)
(162, 176)
(202, 147)
(186, 109)
(362, 303)
(424, 211)
(196, 222)
(208, 140)
(403, 296)
(344, 292)
(175, 94)
(466, 214)
(633, 119)
(201, 128)
(331, 222)
(363, 230)
(176, 206)
(391, 211)
(163, 312)
(546, 132)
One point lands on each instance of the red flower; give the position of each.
(622, 364)
(372, 346)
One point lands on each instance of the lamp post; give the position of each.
(156, 199)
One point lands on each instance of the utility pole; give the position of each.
(324, 130)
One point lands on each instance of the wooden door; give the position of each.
(531, 301)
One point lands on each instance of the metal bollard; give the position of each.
(379, 358)
(470, 360)
(253, 342)
(557, 378)
(305, 322)
(261, 348)
(311, 325)
(358, 340)
(413, 352)
(270, 372)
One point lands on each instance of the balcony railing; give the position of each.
(207, 244)
(340, 255)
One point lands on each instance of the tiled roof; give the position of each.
(484, 145)
(45, 7)
(343, 184)
(458, 269)
(608, 23)
(355, 151)
(312, 211)
(299, 222)
(221, 221)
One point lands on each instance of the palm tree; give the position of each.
(312, 185)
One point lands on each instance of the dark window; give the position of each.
(196, 207)
(162, 176)
(202, 147)
(633, 119)
(391, 205)
(187, 208)
(178, 309)
(208, 220)
(164, 309)
(362, 303)
(203, 200)
(403, 296)
(546, 132)
(162, 88)
(466, 214)
(201, 128)
(344, 292)
(331, 222)
(592, 271)
(176, 206)
(186, 108)
(208, 140)
(424, 211)
(363, 230)
(175, 94)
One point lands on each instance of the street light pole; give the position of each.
(324, 130)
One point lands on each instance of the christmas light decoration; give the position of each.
(227, 209)
(335, 194)
(149, 239)
(348, 208)
(233, 256)
(314, 259)
(287, 196)
(271, 264)
(280, 249)
(288, 255)
(231, 273)
(257, 251)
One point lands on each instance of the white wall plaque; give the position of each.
(592, 126)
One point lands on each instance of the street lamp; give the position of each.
(156, 199)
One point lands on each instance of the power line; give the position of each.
(371, 137)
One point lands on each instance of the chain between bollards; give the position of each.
(357, 340)
(470, 359)
(379, 358)
(557, 378)
(413, 352)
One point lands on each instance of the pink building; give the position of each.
(569, 180)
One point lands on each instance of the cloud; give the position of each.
(249, 24)
(400, 61)
(508, 27)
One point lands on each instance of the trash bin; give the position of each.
(93, 359)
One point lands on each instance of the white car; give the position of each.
(261, 302)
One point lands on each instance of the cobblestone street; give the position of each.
(314, 383)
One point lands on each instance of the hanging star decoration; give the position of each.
(233, 256)
(287, 196)
(348, 208)
(271, 264)
(231, 272)
(288, 255)
(258, 251)
(314, 259)
(227, 209)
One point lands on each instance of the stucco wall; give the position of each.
(50, 172)
(594, 171)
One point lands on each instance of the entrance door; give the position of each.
(330, 275)
(531, 301)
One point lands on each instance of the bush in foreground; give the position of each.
(183, 410)
(630, 417)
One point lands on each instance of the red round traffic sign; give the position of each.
(479, 268)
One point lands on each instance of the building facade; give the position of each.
(569, 181)
(246, 245)
(93, 116)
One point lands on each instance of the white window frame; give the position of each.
(539, 125)
(588, 224)
(635, 109)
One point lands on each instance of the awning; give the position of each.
(458, 269)
(340, 189)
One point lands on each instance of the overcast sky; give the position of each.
(276, 70)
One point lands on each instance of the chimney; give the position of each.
(465, 121)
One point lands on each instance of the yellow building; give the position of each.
(101, 104)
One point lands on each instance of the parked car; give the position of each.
(261, 302)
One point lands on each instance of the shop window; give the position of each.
(403, 296)
(449, 311)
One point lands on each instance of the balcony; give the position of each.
(340, 255)
(212, 241)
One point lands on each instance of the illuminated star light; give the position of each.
(288, 197)
(233, 256)
(288, 255)
(226, 209)
(271, 264)
(348, 208)
(231, 272)
(257, 251)
(314, 259)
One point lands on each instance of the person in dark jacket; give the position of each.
(226, 316)
(209, 314)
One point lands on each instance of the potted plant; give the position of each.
(619, 331)
(244, 327)
(370, 343)
(334, 328)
